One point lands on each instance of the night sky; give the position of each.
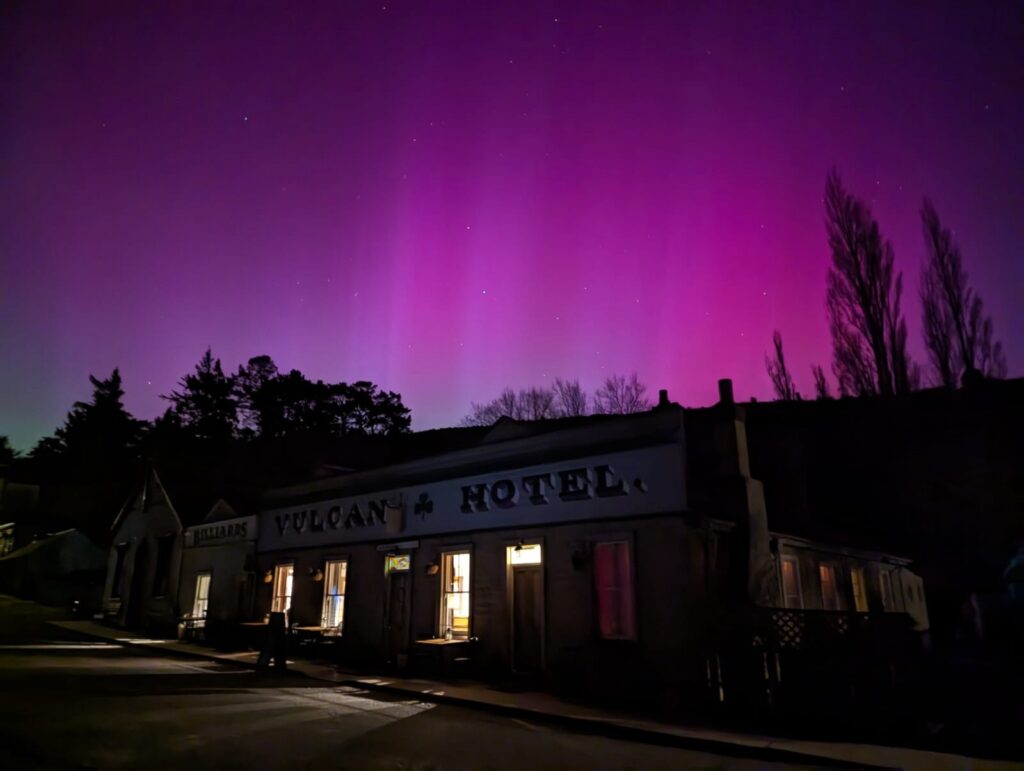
(447, 198)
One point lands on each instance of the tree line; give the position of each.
(256, 423)
(866, 322)
(617, 395)
(212, 407)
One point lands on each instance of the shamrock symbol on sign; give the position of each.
(424, 505)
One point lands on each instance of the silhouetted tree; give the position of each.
(205, 403)
(617, 395)
(291, 403)
(621, 396)
(869, 333)
(258, 412)
(526, 404)
(821, 389)
(362, 408)
(7, 453)
(957, 333)
(98, 431)
(570, 399)
(89, 463)
(782, 381)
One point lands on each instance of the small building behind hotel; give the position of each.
(218, 572)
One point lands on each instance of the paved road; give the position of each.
(78, 704)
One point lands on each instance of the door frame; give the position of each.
(510, 600)
(407, 620)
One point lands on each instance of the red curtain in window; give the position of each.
(614, 579)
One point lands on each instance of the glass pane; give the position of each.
(527, 554)
(790, 583)
(202, 597)
(829, 599)
(283, 578)
(334, 611)
(860, 600)
(455, 597)
(334, 581)
(614, 582)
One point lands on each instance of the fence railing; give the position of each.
(814, 664)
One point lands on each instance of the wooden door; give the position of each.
(396, 633)
(527, 619)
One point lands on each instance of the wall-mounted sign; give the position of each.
(225, 531)
(620, 484)
(397, 563)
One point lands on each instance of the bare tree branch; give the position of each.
(621, 396)
(570, 400)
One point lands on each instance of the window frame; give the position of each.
(274, 596)
(830, 568)
(886, 589)
(442, 625)
(208, 574)
(860, 599)
(340, 627)
(628, 590)
(795, 560)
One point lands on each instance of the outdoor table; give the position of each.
(252, 638)
(441, 651)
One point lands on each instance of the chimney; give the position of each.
(663, 397)
(725, 391)
(738, 495)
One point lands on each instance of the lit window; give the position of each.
(860, 595)
(613, 579)
(283, 578)
(201, 600)
(455, 598)
(829, 595)
(335, 575)
(791, 596)
(397, 563)
(524, 554)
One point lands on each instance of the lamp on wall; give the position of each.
(432, 569)
(317, 574)
(268, 577)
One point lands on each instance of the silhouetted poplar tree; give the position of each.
(821, 389)
(869, 333)
(782, 381)
(957, 333)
